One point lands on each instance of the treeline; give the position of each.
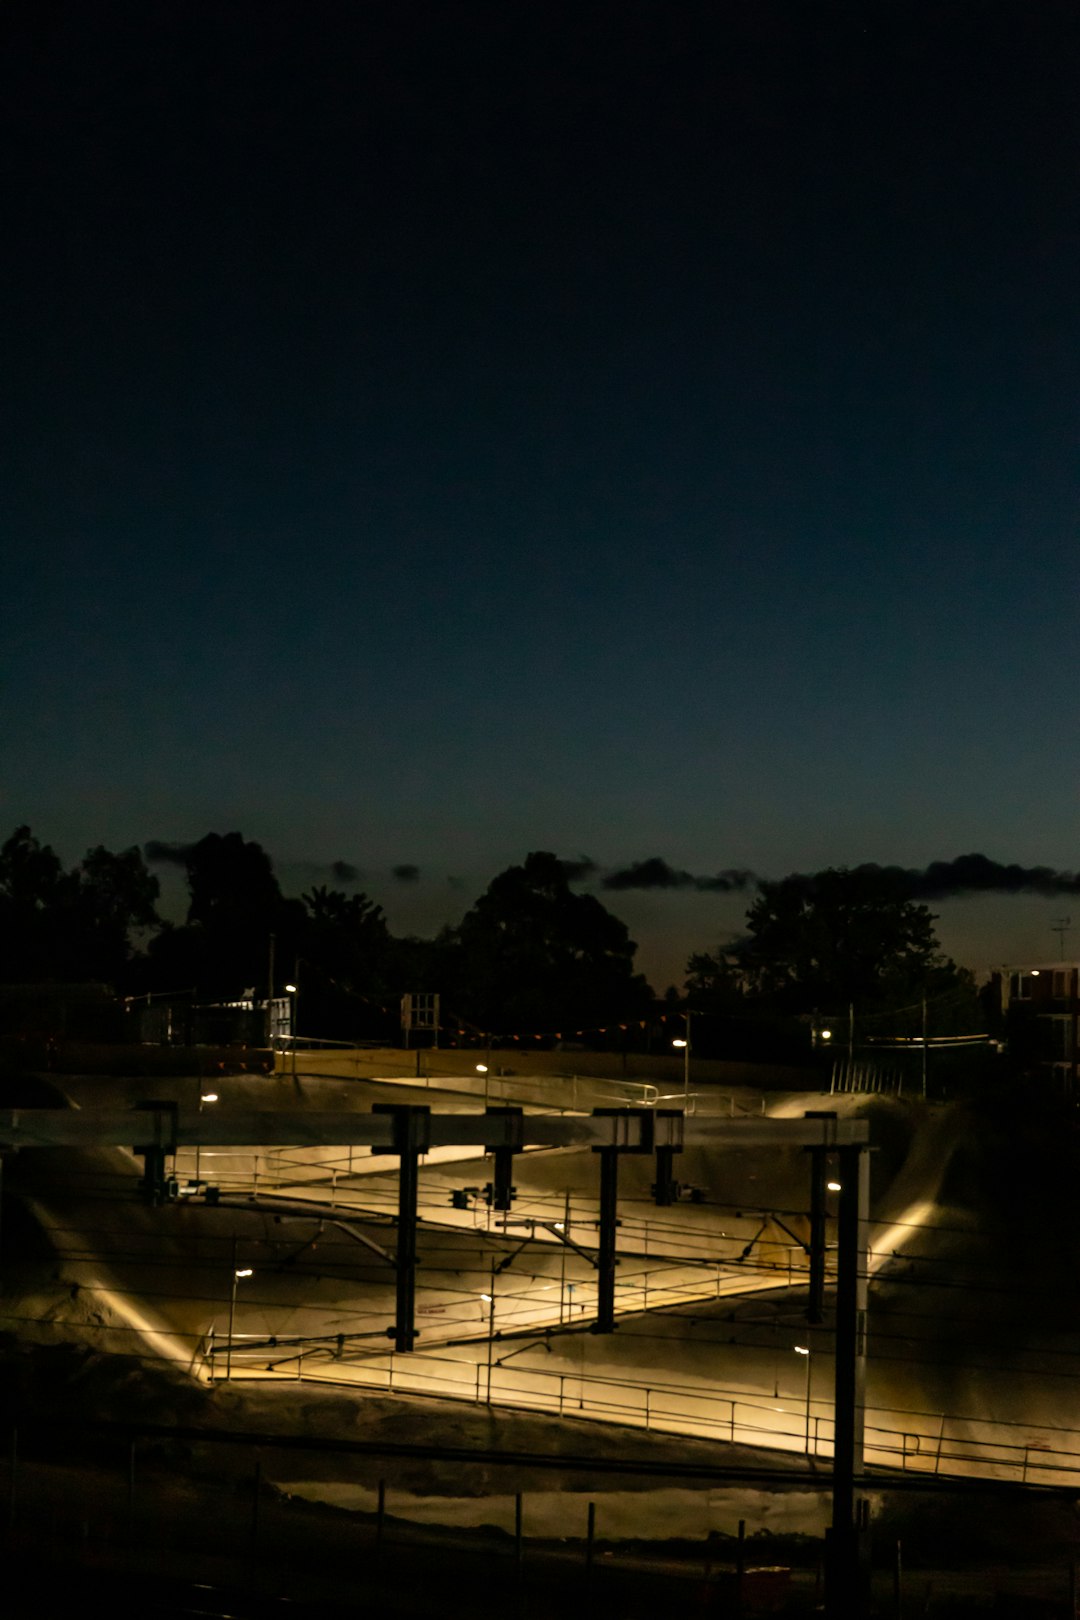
(533, 954)
(530, 954)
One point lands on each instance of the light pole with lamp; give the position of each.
(804, 1350)
(685, 1047)
(482, 1068)
(238, 1273)
(204, 1097)
(293, 990)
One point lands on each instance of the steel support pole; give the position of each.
(412, 1137)
(846, 1589)
(405, 1260)
(605, 1255)
(502, 1188)
(815, 1307)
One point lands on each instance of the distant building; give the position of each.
(1041, 1004)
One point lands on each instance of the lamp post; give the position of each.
(482, 1068)
(294, 1015)
(204, 1097)
(804, 1350)
(684, 1045)
(238, 1272)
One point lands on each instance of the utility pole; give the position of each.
(924, 1048)
(846, 1589)
(1061, 926)
(270, 992)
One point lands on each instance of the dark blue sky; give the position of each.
(436, 431)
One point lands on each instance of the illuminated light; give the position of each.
(800, 1349)
(244, 1271)
(488, 1297)
(291, 988)
(558, 1226)
(834, 1186)
(1034, 973)
(678, 1043)
(826, 1034)
(209, 1096)
(481, 1068)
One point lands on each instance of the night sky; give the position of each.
(435, 431)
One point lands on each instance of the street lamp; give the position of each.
(204, 1097)
(239, 1272)
(684, 1046)
(482, 1068)
(804, 1350)
(294, 1016)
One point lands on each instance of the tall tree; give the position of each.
(345, 949)
(31, 884)
(533, 955)
(235, 906)
(108, 900)
(842, 936)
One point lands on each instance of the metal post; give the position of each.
(491, 1330)
(405, 1265)
(815, 1305)
(924, 1048)
(590, 1537)
(502, 1189)
(845, 1596)
(740, 1567)
(605, 1255)
(519, 1545)
(270, 993)
(256, 1492)
(13, 1476)
(412, 1136)
(380, 1517)
(232, 1315)
(686, 1060)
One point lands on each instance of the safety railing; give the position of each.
(933, 1443)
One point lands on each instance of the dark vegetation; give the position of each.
(533, 955)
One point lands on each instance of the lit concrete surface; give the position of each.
(162, 1279)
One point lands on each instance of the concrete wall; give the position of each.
(663, 1071)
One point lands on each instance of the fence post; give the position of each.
(256, 1492)
(380, 1515)
(740, 1567)
(519, 1549)
(590, 1537)
(898, 1582)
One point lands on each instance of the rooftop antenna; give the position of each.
(1061, 926)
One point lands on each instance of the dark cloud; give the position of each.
(161, 853)
(732, 881)
(345, 872)
(978, 874)
(580, 870)
(406, 872)
(655, 873)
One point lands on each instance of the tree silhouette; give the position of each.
(71, 926)
(235, 906)
(842, 936)
(532, 954)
